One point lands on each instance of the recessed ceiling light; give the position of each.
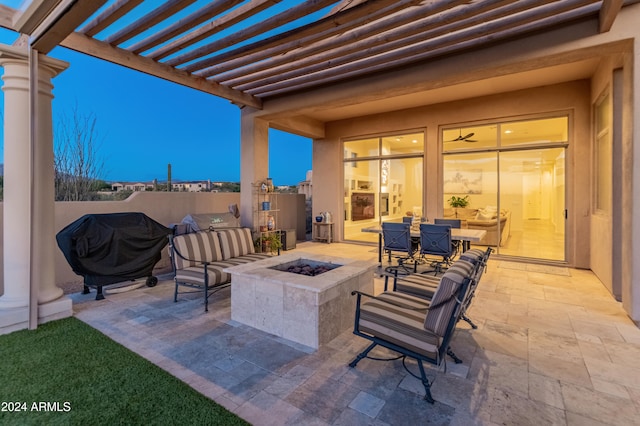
(415, 141)
(508, 131)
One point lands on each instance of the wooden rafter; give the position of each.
(109, 16)
(396, 27)
(380, 58)
(6, 16)
(61, 22)
(157, 15)
(340, 20)
(232, 18)
(268, 24)
(366, 24)
(452, 22)
(209, 11)
(608, 13)
(81, 43)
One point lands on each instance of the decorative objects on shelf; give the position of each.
(265, 217)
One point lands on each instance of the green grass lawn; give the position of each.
(66, 372)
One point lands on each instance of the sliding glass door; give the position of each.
(383, 178)
(512, 174)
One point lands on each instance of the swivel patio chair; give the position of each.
(436, 240)
(410, 326)
(397, 238)
(471, 264)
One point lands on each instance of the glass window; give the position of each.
(511, 174)
(361, 148)
(403, 144)
(469, 138)
(548, 130)
(383, 180)
(603, 153)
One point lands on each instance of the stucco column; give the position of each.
(254, 160)
(29, 216)
(17, 176)
(44, 235)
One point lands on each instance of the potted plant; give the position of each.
(458, 202)
(269, 242)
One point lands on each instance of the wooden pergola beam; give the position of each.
(109, 16)
(289, 15)
(29, 19)
(61, 22)
(418, 21)
(157, 15)
(7, 15)
(232, 18)
(209, 11)
(340, 19)
(608, 13)
(81, 43)
(378, 59)
(330, 39)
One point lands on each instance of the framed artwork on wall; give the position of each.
(462, 182)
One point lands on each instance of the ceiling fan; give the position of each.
(465, 138)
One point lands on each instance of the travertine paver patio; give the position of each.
(552, 347)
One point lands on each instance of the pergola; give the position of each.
(251, 52)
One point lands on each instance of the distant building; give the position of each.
(132, 186)
(182, 186)
(304, 187)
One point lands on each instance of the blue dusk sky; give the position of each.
(145, 123)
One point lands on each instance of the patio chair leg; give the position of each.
(453, 356)
(86, 290)
(426, 384)
(175, 294)
(99, 295)
(468, 320)
(362, 355)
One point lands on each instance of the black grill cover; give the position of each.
(110, 248)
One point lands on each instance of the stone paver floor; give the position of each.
(552, 347)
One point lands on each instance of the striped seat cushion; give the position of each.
(472, 255)
(443, 303)
(248, 258)
(197, 247)
(235, 242)
(405, 301)
(195, 274)
(398, 325)
(418, 285)
(424, 286)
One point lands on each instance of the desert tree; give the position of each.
(78, 165)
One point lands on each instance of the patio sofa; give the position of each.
(199, 259)
(484, 219)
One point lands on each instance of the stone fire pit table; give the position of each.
(311, 310)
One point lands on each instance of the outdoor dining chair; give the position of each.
(435, 240)
(397, 238)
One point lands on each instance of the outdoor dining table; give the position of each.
(464, 235)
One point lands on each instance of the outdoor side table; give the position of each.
(323, 231)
